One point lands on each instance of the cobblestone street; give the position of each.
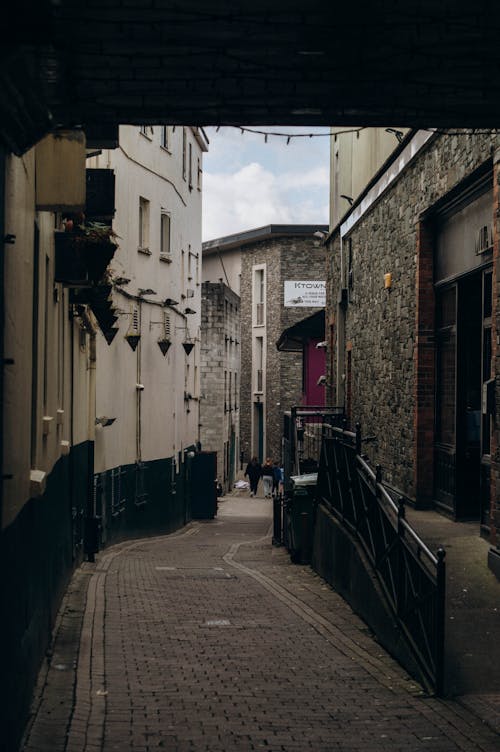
(210, 639)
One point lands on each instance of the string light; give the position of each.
(288, 137)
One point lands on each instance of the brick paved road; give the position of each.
(210, 639)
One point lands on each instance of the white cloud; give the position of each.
(254, 196)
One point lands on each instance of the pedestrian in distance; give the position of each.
(253, 472)
(267, 477)
(277, 479)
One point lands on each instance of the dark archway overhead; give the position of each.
(102, 62)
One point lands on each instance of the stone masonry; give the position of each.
(382, 328)
(295, 257)
(220, 376)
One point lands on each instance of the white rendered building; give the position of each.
(147, 401)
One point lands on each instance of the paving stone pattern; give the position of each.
(210, 639)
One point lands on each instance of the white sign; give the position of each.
(305, 294)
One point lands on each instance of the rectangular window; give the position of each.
(165, 234)
(259, 364)
(143, 224)
(190, 182)
(184, 141)
(147, 130)
(198, 175)
(259, 297)
(165, 137)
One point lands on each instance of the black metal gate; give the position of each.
(412, 578)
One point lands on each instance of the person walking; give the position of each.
(277, 479)
(253, 472)
(267, 477)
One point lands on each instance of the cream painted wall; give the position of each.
(39, 421)
(227, 269)
(354, 160)
(156, 421)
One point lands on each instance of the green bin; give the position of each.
(301, 509)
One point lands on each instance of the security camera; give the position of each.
(321, 381)
(321, 345)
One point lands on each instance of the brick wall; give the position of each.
(286, 258)
(392, 333)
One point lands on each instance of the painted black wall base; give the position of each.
(38, 553)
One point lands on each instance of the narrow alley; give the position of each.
(210, 639)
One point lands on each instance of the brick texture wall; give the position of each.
(286, 258)
(392, 333)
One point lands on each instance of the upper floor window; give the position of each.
(165, 233)
(199, 174)
(147, 130)
(165, 137)
(259, 297)
(190, 164)
(184, 156)
(143, 224)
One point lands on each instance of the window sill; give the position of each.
(165, 148)
(144, 251)
(166, 258)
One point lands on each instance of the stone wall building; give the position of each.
(412, 320)
(271, 382)
(220, 378)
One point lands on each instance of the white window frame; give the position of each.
(143, 226)
(165, 249)
(259, 295)
(165, 136)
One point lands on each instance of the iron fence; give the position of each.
(411, 576)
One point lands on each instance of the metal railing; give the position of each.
(412, 578)
(303, 434)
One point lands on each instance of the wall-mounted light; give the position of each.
(164, 345)
(133, 340)
(321, 345)
(121, 281)
(189, 310)
(321, 381)
(170, 302)
(145, 291)
(110, 334)
(188, 346)
(388, 281)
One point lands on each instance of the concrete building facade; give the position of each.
(148, 376)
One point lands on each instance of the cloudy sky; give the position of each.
(248, 183)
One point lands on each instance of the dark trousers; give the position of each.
(254, 482)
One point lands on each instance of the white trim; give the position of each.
(383, 183)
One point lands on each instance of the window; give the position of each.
(184, 141)
(259, 364)
(165, 234)
(147, 130)
(199, 173)
(143, 223)
(259, 297)
(165, 137)
(190, 181)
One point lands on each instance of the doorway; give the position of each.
(463, 412)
